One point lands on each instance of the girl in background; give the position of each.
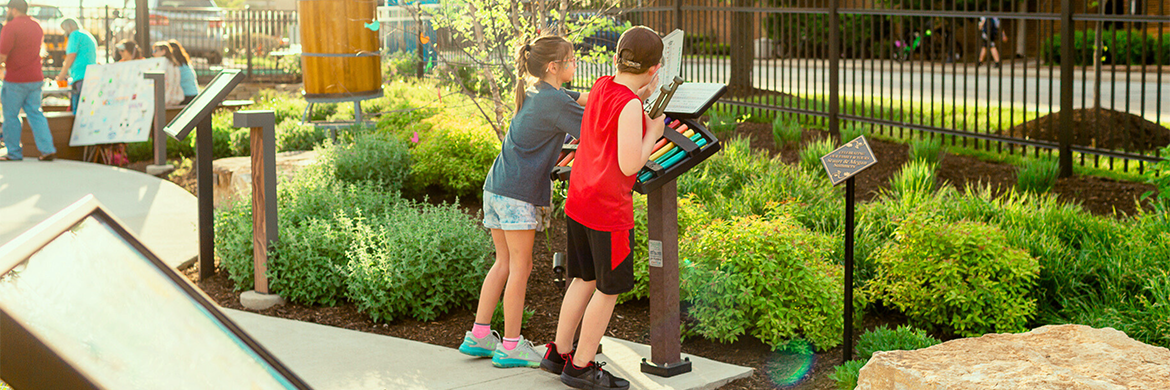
(188, 81)
(173, 81)
(517, 193)
(128, 51)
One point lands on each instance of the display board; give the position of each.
(117, 103)
(207, 100)
(92, 295)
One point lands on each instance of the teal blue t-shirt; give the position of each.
(82, 44)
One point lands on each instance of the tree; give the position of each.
(488, 32)
(742, 50)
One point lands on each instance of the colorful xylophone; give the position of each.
(683, 145)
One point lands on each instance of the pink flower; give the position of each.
(414, 138)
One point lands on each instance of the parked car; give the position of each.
(53, 51)
(197, 24)
(605, 33)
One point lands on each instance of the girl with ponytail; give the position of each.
(517, 193)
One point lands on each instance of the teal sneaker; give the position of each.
(523, 356)
(479, 347)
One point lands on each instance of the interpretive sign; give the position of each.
(848, 160)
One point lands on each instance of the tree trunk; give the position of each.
(742, 28)
(498, 121)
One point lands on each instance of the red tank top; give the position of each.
(599, 193)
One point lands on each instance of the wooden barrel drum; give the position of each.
(340, 56)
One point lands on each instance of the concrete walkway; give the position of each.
(161, 214)
(334, 358)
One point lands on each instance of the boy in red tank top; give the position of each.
(617, 138)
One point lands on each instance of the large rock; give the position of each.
(1049, 357)
(233, 175)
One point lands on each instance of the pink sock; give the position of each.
(510, 344)
(481, 330)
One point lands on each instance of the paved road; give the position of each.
(946, 84)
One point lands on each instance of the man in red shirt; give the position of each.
(20, 60)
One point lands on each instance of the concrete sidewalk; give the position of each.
(335, 358)
(161, 214)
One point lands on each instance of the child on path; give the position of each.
(617, 138)
(517, 193)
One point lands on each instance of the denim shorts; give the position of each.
(501, 212)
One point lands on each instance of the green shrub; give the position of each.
(372, 157)
(720, 122)
(311, 196)
(400, 65)
(851, 132)
(284, 105)
(1119, 47)
(740, 182)
(690, 215)
(902, 338)
(241, 142)
(233, 242)
(292, 135)
(1159, 176)
(418, 262)
(771, 279)
(786, 131)
(961, 277)
(1038, 175)
(846, 374)
(308, 263)
(916, 178)
(810, 157)
(926, 149)
(455, 160)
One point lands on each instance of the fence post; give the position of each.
(109, 36)
(678, 14)
(1066, 87)
(248, 37)
(835, 67)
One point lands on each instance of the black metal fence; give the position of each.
(257, 41)
(912, 69)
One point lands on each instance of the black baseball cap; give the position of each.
(638, 50)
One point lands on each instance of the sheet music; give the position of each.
(672, 48)
(692, 97)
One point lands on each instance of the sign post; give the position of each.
(160, 166)
(198, 114)
(842, 164)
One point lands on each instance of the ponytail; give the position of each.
(532, 60)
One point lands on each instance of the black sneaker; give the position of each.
(554, 362)
(592, 377)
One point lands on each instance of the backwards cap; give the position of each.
(638, 50)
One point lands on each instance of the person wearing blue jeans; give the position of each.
(27, 96)
(20, 63)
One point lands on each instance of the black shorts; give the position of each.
(591, 257)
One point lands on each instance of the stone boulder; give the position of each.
(233, 175)
(1049, 357)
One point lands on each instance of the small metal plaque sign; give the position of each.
(655, 253)
(848, 160)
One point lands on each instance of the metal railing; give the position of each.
(257, 41)
(910, 69)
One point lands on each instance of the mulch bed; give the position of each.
(631, 320)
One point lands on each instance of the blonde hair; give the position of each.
(532, 59)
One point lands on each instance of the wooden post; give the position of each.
(665, 336)
(264, 228)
